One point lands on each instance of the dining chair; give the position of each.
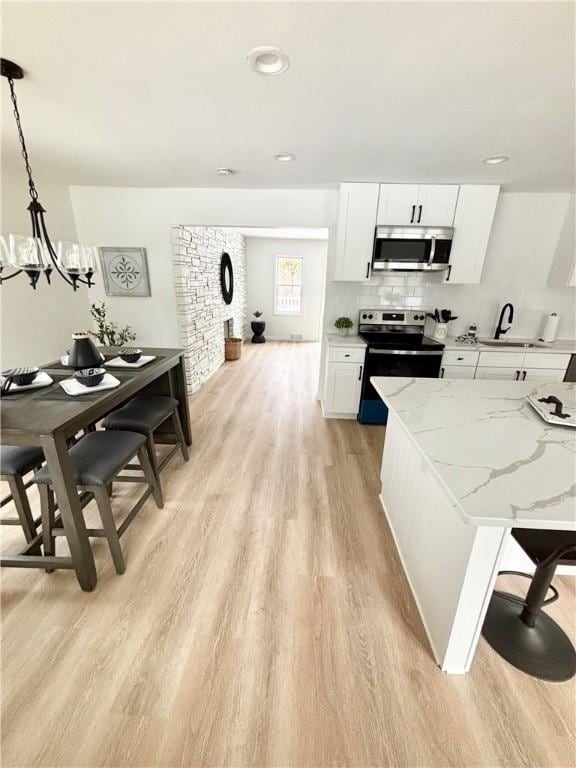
(15, 462)
(98, 458)
(144, 414)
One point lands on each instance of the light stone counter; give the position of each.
(567, 346)
(335, 340)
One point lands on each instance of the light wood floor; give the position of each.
(263, 620)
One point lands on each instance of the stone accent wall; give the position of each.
(202, 313)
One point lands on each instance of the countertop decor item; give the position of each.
(442, 318)
(550, 328)
(83, 353)
(90, 377)
(23, 376)
(130, 354)
(258, 327)
(32, 256)
(125, 271)
(226, 278)
(552, 409)
(107, 332)
(40, 379)
(343, 324)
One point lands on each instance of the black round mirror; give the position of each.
(226, 278)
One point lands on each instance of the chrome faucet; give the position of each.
(499, 330)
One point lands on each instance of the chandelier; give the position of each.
(34, 254)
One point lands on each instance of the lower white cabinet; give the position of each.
(542, 374)
(342, 389)
(497, 372)
(457, 372)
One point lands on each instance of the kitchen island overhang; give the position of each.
(463, 463)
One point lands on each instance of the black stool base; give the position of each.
(258, 338)
(543, 651)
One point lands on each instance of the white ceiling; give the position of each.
(159, 94)
(285, 233)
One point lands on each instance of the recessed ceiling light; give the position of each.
(225, 171)
(284, 157)
(496, 159)
(267, 60)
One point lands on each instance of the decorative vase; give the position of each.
(343, 331)
(441, 330)
(83, 352)
(258, 328)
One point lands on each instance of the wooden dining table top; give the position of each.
(28, 415)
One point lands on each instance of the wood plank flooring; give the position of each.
(264, 619)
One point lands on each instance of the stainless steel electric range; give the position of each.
(396, 347)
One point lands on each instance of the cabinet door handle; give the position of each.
(459, 358)
(419, 213)
(517, 376)
(441, 373)
(346, 355)
(360, 373)
(413, 214)
(523, 375)
(448, 271)
(367, 270)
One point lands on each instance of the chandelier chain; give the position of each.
(31, 185)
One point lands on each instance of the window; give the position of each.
(288, 285)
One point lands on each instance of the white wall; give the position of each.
(261, 255)
(37, 325)
(108, 216)
(528, 238)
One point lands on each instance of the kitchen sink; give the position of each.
(506, 343)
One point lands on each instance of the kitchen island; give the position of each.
(463, 463)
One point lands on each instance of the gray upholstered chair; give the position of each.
(144, 414)
(15, 462)
(97, 459)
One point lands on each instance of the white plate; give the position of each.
(42, 380)
(117, 362)
(546, 412)
(74, 388)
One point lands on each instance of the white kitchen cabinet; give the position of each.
(542, 374)
(472, 226)
(424, 204)
(497, 372)
(397, 203)
(457, 372)
(437, 205)
(357, 207)
(342, 389)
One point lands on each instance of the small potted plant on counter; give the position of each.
(258, 327)
(442, 318)
(344, 324)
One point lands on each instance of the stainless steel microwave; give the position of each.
(419, 249)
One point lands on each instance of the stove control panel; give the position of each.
(392, 317)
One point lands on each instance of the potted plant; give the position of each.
(343, 324)
(258, 327)
(108, 333)
(442, 318)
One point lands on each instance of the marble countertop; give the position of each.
(560, 345)
(498, 460)
(335, 340)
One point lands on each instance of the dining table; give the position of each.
(50, 418)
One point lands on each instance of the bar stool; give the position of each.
(15, 462)
(518, 629)
(96, 459)
(144, 414)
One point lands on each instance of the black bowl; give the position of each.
(130, 355)
(90, 377)
(23, 376)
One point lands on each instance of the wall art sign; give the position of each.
(125, 271)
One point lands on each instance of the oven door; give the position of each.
(412, 248)
(398, 362)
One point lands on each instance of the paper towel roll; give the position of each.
(550, 328)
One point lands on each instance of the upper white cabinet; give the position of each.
(424, 204)
(357, 206)
(472, 227)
